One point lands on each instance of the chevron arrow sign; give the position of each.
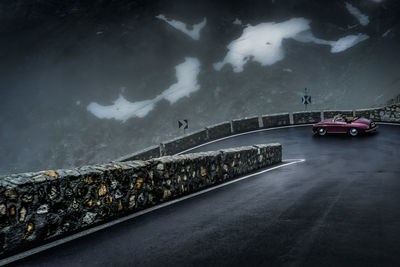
(183, 124)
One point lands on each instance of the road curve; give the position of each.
(341, 207)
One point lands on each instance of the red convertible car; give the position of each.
(342, 124)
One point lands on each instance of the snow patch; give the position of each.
(122, 109)
(307, 37)
(347, 42)
(186, 74)
(288, 70)
(386, 33)
(261, 43)
(340, 45)
(194, 33)
(237, 22)
(363, 19)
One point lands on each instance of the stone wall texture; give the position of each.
(274, 120)
(179, 144)
(389, 113)
(386, 114)
(306, 117)
(219, 130)
(245, 125)
(39, 207)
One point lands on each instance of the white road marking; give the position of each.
(239, 134)
(389, 123)
(139, 213)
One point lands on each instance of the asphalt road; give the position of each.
(341, 207)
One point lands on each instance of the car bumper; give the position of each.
(371, 129)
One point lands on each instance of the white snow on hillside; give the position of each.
(186, 74)
(308, 37)
(347, 42)
(263, 43)
(363, 19)
(386, 33)
(340, 45)
(122, 109)
(194, 33)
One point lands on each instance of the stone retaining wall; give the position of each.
(245, 125)
(179, 144)
(36, 208)
(274, 120)
(306, 117)
(219, 130)
(386, 114)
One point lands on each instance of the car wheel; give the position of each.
(321, 131)
(353, 132)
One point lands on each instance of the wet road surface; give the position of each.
(341, 207)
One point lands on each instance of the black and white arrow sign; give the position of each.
(183, 124)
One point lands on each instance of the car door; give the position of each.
(338, 127)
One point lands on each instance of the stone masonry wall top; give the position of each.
(274, 120)
(306, 117)
(179, 144)
(219, 130)
(245, 125)
(385, 114)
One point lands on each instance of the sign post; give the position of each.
(183, 124)
(306, 99)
